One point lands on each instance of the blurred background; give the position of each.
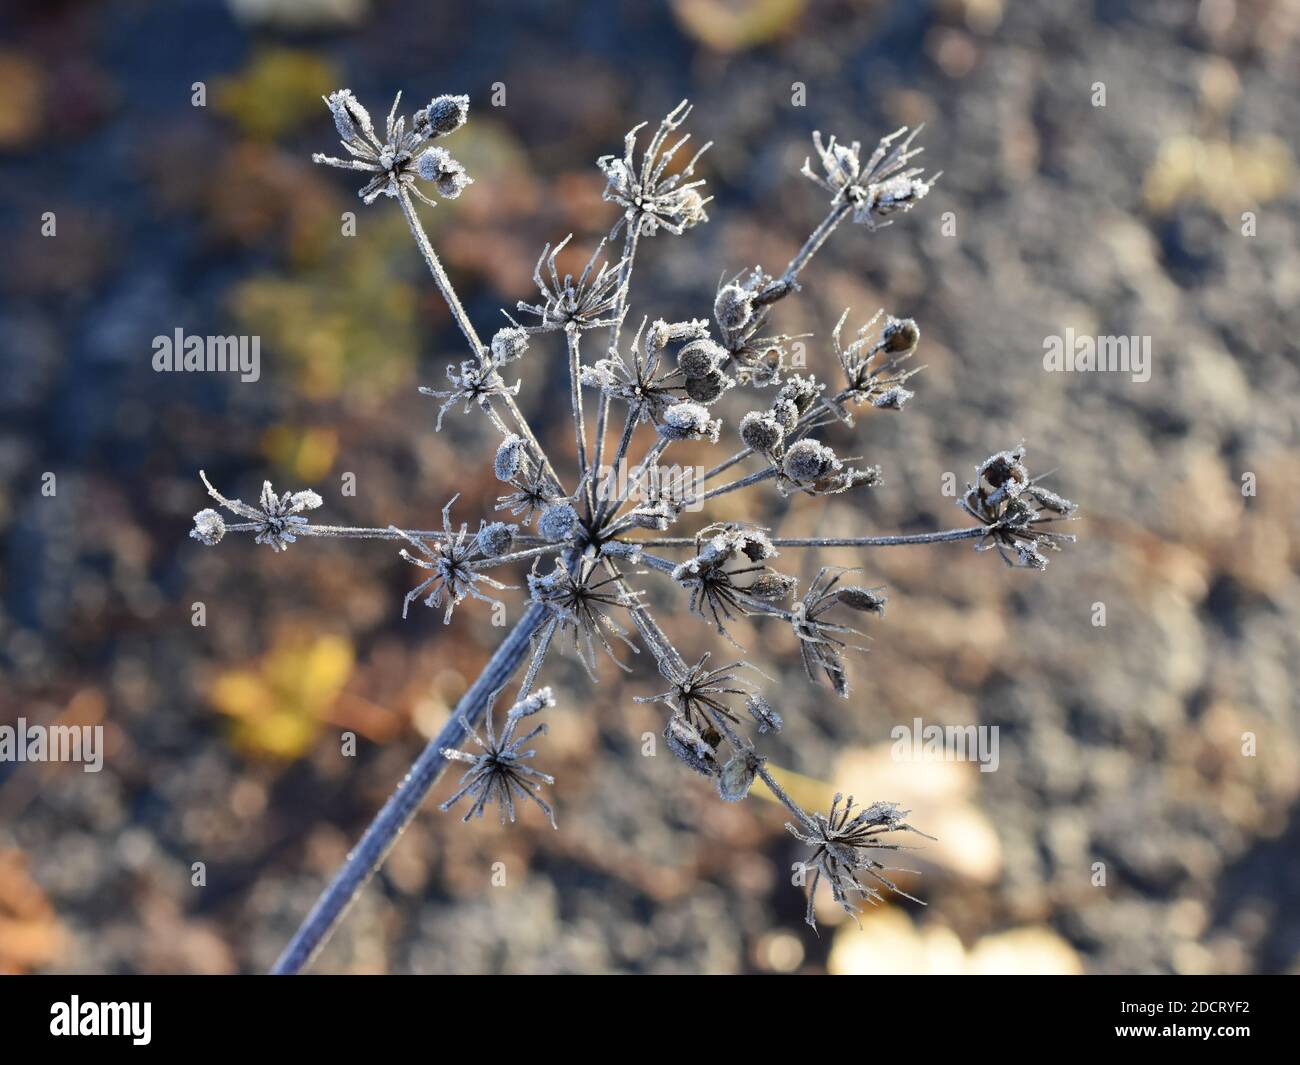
(1169, 212)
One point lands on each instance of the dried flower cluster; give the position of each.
(589, 530)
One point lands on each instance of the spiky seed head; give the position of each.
(209, 527)
(762, 431)
(509, 344)
(809, 460)
(558, 522)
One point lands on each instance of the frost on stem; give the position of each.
(678, 377)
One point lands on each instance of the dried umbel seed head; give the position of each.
(807, 461)
(496, 539)
(867, 600)
(733, 308)
(689, 421)
(762, 431)
(509, 344)
(558, 522)
(209, 527)
(736, 777)
(510, 457)
(448, 176)
(444, 115)
(709, 387)
(701, 357)
(763, 713)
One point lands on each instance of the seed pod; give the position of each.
(900, 336)
(733, 308)
(350, 118)
(496, 539)
(786, 413)
(708, 388)
(558, 522)
(209, 527)
(892, 398)
(761, 431)
(509, 459)
(772, 587)
(807, 461)
(867, 600)
(509, 344)
(700, 358)
(688, 421)
(738, 775)
(688, 744)
(445, 114)
(763, 713)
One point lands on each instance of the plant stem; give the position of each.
(630, 240)
(458, 312)
(402, 806)
(946, 536)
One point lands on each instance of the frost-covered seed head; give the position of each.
(689, 421)
(496, 538)
(444, 115)
(350, 118)
(509, 344)
(808, 460)
(558, 522)
(700, 358)
(900, 336)
(762, 431)
(738, 775)
(707, 388)
(510, 457)
(867, 600)
(209, 527)
(771, 587)
(763, 713)
(733, 308)
(448, 176)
